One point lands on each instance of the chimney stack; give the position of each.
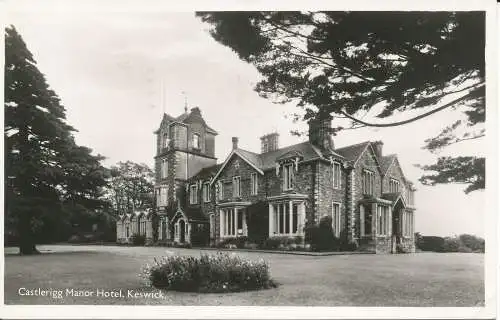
(235, 143)
(320, 133)
(269, 142)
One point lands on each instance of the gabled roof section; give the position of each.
(394, 197)
(353, 152)
(386, 162)
(243, 154)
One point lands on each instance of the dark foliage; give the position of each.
(47, 175)
(257, 219)
(208, 273)
(341, 64)
(138, 239)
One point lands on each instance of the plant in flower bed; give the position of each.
(221, 272)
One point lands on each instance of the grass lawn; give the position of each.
(423, 279)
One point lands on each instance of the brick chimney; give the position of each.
(269, 142)
(235, 143)
(377, 146)
(320, 133)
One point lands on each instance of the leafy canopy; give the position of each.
(346, 64)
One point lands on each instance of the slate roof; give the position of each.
(385, 162)
(182, 118)
(206, 173)
(352, 152)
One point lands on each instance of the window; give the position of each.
(220, 190)
(165, 140)
(232, 222)
(236, 187)
(193, 194)
(383, 220)
(407, 223)
(162, 196)
(127, 231)
(142, 228)
(336, 175)
(158, 199)
(287, 176)
(393, 185)
(164, 168)
(336, 219)
(206, 192)
(212, 226)
(196, 141)
(254, 184)
(366, 219)
(368, 182)
(410, 197)
(286, 219)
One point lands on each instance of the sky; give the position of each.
(109, 68)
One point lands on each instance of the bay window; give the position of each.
(232, 222)
(383, 220)
(285, 219)
(366, 219)
(407, 223)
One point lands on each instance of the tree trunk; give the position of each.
(27, 245)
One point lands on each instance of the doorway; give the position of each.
(182, 231)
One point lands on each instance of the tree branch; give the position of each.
(394, 124)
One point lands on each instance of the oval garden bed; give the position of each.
(221, 272)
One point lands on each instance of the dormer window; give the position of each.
(196, 141)
(288, 176)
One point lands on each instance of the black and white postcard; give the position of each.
(250, 159)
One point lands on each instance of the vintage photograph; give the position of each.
(283, 158)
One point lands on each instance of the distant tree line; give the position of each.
(460, 243)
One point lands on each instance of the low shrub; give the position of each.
(221, 272)
(232, 243)
(138, 239)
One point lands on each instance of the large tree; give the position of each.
(351, 64)
(46, 172)
(131, 187)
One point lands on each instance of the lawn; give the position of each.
(423, 279)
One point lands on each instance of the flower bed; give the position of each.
(221, 272)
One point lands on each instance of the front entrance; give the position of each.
(397, 231)
(182, 231)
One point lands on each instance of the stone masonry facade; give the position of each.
(364, 192)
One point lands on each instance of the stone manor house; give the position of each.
(363, 190)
